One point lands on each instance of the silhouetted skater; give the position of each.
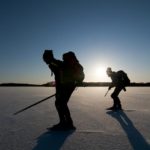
(119, 81)
(68, 73)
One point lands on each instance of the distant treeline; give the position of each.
(18, 84)
(108, 83)
(84, 84)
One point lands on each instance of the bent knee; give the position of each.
(57, 103)
(113, 95)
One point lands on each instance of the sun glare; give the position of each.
(100, 74)
(100, 70)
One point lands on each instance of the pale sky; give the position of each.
(102, 33)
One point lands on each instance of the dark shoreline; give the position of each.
(84, 84)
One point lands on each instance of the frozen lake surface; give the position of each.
(97, 128)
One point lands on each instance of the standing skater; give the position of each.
(68, 73)
(119, 81)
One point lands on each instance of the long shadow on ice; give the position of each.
(136, 139)
(52, 140)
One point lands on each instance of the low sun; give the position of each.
(100, 73)
(100, 70)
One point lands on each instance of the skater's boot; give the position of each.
(119, 107)
(111, 108)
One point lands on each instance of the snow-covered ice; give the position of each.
(97, 128)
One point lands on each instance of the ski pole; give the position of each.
(19, 111)
(106, 93)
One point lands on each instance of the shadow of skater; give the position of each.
(52, 140)
(136, 139)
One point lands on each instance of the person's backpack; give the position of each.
(78, 73)
(123, 78)
(76, 70)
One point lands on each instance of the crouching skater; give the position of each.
(119, 80)
(68, 74)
